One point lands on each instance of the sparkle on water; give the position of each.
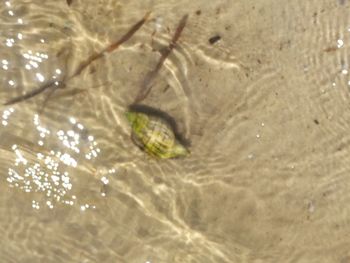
(48, 172)
(33, 59)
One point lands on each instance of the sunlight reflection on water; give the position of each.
(48, 171)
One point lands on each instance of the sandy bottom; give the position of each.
(259, 88)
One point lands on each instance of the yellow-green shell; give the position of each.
(155, 136)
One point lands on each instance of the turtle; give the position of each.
(155, 135)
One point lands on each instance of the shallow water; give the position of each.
(266, 109)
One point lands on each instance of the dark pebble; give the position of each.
(214, 39)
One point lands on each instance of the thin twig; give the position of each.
(32, 93)
(146, 88)
(82, 66)
(111, 47)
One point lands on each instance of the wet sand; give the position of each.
(260, 88)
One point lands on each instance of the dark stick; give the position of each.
(128, 35)
(32, 93)
(146, 88)
(82, 65)
(111, 47)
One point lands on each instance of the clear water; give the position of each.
(266, 109)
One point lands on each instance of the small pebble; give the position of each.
(214, 39)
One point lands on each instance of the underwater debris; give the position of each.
(154, 131)
(54, 84)
(146, 87)
(214, 39)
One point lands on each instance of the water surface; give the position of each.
(266, 108)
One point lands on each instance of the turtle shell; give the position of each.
(155, 136)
